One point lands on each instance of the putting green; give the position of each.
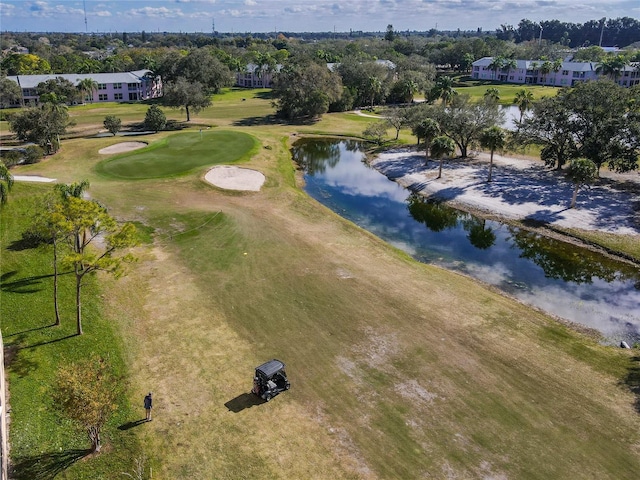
(179, 154)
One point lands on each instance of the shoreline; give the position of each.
(507, 200)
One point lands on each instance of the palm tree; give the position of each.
(409, 89)
(430, 130)
(612, 66)
(524, 101)
(441, 147)
(86, 87)
(492, 138)
(6, 182)
(545, 69)
(497, 63)
(492, 93)
(374, 86)
(444, 90)
(556, 67)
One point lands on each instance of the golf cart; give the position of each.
(270, 379)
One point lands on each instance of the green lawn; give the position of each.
(43, 441)
(179, 154)
(398, 369)
(508, 92)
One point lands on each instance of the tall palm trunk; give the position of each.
(575, 196)
(490, 166)
(55, 280)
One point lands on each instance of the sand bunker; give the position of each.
(122, 147)
(235, 178)
(33, 178)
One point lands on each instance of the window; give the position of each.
(102, 96)
(133, 96)
(117, 86)
(565, 72)
(102, 86)
(132, 86)
(117, 96)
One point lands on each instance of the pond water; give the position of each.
(511, 116)
(565, 280)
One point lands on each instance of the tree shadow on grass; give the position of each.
(632, 380)
(242, 401)
(16, 363)
(256, 121)
(47, 465)
(23, 285)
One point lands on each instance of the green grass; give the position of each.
(507, 92)
(179, 154)
(42, 439)
(398, 369)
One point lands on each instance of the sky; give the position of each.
(243, 16)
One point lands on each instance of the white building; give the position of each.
(529, 72)
(112, 87)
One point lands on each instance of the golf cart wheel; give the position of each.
(267, 397)
(287, 386)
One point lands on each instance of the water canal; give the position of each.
(563, 279)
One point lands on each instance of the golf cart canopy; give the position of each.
(270, 368)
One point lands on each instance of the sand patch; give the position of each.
(33, 178)
(122, 147)
(235, 178)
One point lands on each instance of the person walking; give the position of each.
(148, 404)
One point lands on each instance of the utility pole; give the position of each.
(602, 31)
(540, 38)
(86, 27)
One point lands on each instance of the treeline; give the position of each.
(620, 32)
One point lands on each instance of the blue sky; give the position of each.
(241, 16)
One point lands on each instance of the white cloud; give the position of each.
(155, 12)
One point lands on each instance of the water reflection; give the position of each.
(562, 279)
(438, 216)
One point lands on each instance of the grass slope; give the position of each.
(398, 369)
(43, 442)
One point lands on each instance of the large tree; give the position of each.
(56, 90)
(199, 65)
(464, 120)
(84, 221)
(10, 92)
(42, 125)
(183, 94)
(305, 90)
(88, 392)
(604, 121)
(25, 64)
(551, 127)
